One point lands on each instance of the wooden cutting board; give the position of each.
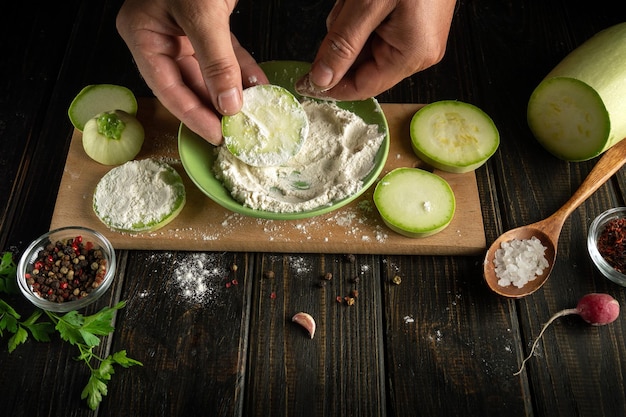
(205, 226)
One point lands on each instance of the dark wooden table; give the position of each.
(239, 354)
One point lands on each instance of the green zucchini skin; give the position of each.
(414, 203)
(578, 110)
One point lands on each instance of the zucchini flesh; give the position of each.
(269, 130)
(113, 138)
(578, 110)
(453, 136)
(97, 98)
(414, 202)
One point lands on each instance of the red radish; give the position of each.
(596, 309)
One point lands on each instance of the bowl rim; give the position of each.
(595, 229)
(197, 155)
(30, 252)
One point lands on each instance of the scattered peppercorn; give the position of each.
(328, 276)
(269, 274)
(396, 280)
(339, 299)
(349, 301)
(67, 270)
(354, 293)
(234, 267)
(350, 258)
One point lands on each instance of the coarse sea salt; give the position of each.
(519, 261)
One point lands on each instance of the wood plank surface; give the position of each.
(438, 344)
(340, 371)
(205, 225)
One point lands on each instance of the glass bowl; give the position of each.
(595, 230)
(62, 274)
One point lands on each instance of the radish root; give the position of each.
(561, 313)
(594, 308)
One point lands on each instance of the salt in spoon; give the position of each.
(549, 229)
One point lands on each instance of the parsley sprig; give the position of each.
(79, 330)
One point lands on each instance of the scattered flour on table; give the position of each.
(338, 153)
(300, 265)
(519, 261)
(199, 276)
(437, 337)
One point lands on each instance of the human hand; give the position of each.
(190, 60)
(372, 46)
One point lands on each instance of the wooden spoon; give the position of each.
(549, 229)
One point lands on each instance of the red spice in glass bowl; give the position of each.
(66, 269)
(606, 244)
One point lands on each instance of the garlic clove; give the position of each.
(305, 320)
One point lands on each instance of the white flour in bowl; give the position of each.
(337, 154)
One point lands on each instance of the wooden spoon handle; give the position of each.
(609, 164)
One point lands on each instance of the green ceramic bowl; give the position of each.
(197, 155)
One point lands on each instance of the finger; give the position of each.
(165, 59)
(251, 73)
(411, 39)
(349, 32)
(208, 31)
(176, 93)
(332, 16)
(369, 78)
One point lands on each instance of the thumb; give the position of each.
(206, 24)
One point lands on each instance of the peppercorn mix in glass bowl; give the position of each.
(66, 269)
(606, 243)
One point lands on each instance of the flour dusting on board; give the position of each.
(351, 224)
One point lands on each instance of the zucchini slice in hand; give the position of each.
(270, 128)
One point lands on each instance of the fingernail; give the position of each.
(321, 75)
(305, 88)
(229, 101)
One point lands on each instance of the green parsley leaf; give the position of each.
(94, 391)
(89, 338)
(7, 266)
(80, 331)
(18, 338)
(105, 370)
(73, 319)
(121, 359)
(8, 322)
(41, 331)
(100, 323)
(69, 332)
(7, 309)
(8, 270)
